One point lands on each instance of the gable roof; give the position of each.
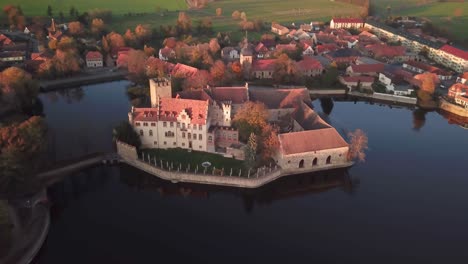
(455, 52)
(93, 55)
(309, 63)
(183, 70)
(237, 95)
(263, 65)
(310, 140)
(308, 118)
(280, 98)
(196, 109)
(367, 68)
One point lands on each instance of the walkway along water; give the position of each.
(254, 179)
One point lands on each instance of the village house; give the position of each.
(459, 93)
(279, 29)
(262, 51)
(94, 59)
(230, 53)
(351, 82)
(344, 56)
(395, 83)
(346, 23)
(246, 56)
(365, 69)
(326, 48)
(263, 69)
(449, 56)
(310, 67)
(420, 67)
(307, 47)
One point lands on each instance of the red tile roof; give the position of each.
(458, 89)
(145, 114)
(368, 68)
(263, 65)
(428, 68)
(280, 98)
(92, 55)
(261, 47)
(455, 52)
(308, 63)
(384, 50)
(237, 95)
(287, 47)
(182, 70)
(326, 48)
(196, 109)
(310, 140)
(167, 52)
(348, 20)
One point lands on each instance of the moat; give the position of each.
(407, 201)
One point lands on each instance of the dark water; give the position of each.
(407, 204)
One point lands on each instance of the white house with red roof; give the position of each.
(451, 57)
(279, 29)
(94, 59)
(347, 23)
(310, 66)
(263, 69)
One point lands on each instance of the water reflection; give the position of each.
(327, 105)
(419, 119)
(455, 119)
(71, 95)
(282, 189)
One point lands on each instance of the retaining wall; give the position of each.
(452, 108)
(387, 97)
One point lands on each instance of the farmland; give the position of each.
(266, 10)
(118, 7)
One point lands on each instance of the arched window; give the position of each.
(329, 160)
(301, 164)
(314, 162)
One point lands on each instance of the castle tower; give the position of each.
(159, 88)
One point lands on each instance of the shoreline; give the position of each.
(79, 80)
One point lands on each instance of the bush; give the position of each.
(124, 132)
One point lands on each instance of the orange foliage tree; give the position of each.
(358, 145)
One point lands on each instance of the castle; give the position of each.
(201, 120)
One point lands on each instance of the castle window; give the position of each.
(151, 133)
(199, 136)
(155, 143)
(183, 134)
(165, 143)
(183, 125)
(172, 124)
(153, 124)
(200, 127)
(178, 124)
(137, 124)
(164, 124)
(141, 132)
(210, 138)
(194, 136)
(145, 124)
(189, 136)
(188, 126)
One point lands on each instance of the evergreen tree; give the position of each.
(251, 151)
(49, 11)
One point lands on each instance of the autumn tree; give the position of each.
(286, 70)
(218, 72)
(358, 145)
(154, 67)
(75, 28)
(236, 14)
(214, 46)
(243, 16)
(15, 16)
(330, 77)
(142, 33)
(219, 11)
(136, 65)
(250, 118)
(115, 40)
(251, 151)
(149, 51)
(197, 81)
(21, 148)
(236, 69)
(97, 26)
(170, 42)
(18, 89)
(130, 38)
(184, 23)
(269, 143)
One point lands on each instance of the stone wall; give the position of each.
(387, 97)
(311, 160)
(126, 152)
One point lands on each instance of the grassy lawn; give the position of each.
(118, 7)
(194, 158)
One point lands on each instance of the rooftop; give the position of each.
(237, 95)
(348, 20)
(310, 140)
(280, 98)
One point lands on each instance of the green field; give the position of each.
(450, 16)
(267, 10)
(118, 7)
